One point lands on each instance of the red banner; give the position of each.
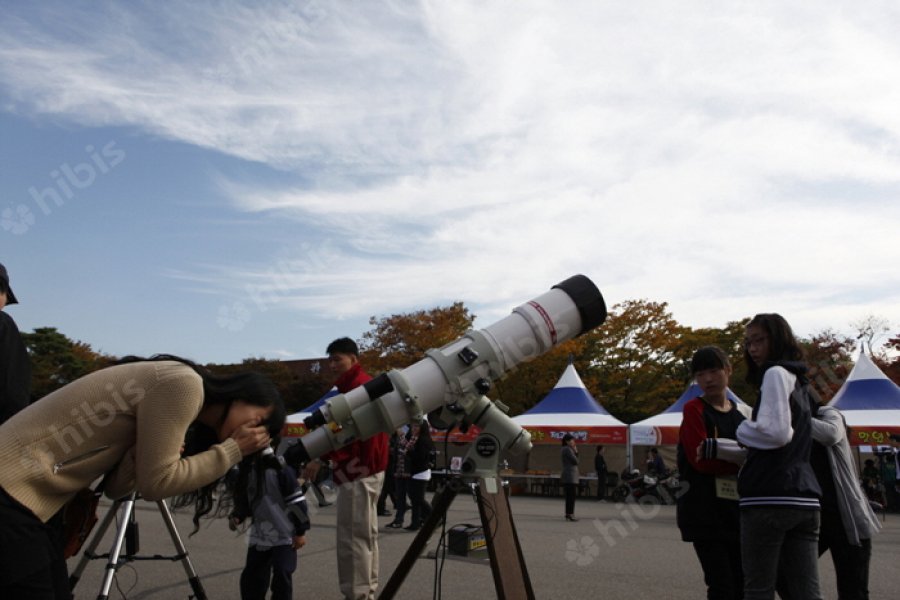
(456, 437)
(582, 435)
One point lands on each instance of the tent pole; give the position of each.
(629, 452)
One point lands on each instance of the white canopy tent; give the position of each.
(570, 408)
(870, 403)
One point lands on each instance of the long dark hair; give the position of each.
(220, 390)
(783, 346)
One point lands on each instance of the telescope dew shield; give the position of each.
(567, 310)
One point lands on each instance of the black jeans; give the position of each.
(722, 570)
(851, 563)
(401, 487)
(387, 491)
(276, 564)
(420, 509)
(570, 489)
(601, 485)
(777, 541)
(31, 555)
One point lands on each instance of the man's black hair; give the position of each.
(343, 345)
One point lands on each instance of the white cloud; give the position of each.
(469, 151)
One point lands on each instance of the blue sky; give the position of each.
(225, 180)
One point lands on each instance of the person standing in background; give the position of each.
(655, 464)
(388, 488)
(570, 474)
(15, 366)
(420, 471)
(602, 471)
(359, 473)
(400, 464)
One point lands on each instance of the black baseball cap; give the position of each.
(10, 297)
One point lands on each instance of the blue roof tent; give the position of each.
(569, 396)
(315, 405)
(867, 388)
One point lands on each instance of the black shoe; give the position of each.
(385, 513)
(570, 518)
(324, 504)
(412, 527)
(394, 525)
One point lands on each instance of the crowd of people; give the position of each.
(767, 491)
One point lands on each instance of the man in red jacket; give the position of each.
(359, 472)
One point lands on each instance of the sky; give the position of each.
(227, 180)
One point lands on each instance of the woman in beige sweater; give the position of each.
(128, 422)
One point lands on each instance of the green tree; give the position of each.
(57, 360)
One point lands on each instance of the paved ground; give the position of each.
(613, 552)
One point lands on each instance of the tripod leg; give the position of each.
(442, 502)
(507, 561)
(193, 578)
(112, 564)
(88, 552)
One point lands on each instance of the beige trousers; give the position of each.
(357, 537)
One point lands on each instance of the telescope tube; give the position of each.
(571, 308)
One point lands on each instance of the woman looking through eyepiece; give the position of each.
(130, 423)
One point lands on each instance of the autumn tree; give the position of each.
(397, 341)
(57, 360)
(730, 339)
(636, 359)
(829, 357)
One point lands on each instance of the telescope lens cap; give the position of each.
(587, 299)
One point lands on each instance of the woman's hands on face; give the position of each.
(251, 437)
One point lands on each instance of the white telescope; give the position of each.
(452, 380)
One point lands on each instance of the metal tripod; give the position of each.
(117, 558)
(507, 561)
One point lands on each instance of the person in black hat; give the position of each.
(15, 367)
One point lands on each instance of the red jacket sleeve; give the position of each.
(692, 433)
(363, 457)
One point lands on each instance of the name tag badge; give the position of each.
(726, 488)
